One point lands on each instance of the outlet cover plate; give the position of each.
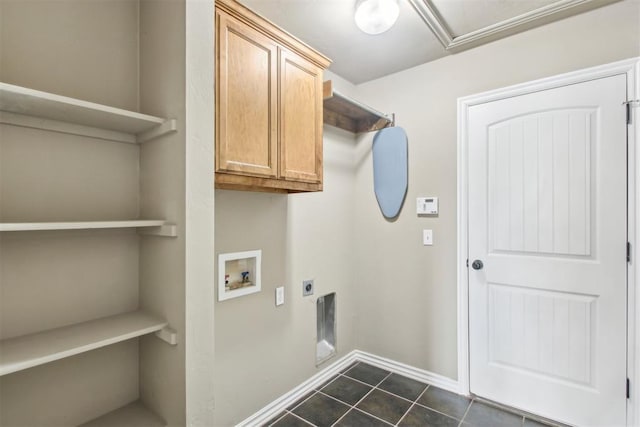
(307, 288)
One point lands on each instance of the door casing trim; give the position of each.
(630, 68)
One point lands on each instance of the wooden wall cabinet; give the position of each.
(268, 105)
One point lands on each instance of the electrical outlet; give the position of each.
(279, 295)
(307, 288)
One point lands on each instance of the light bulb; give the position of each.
(376, 16)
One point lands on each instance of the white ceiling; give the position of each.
(426, 29)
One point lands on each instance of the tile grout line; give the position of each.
(373, 387)
(351, 407)
(311, 394)
(279, 418)
(381, 389)
(517, 412)
(405, 414)
(361, 399)
(303, 419)
(440, 412)
(314, 391)
(370, 385)
(377, 387)
(466, 412)
(397, 395)
(356, 380)
(413, 404)
(422, 405)
(331, 381)
(373, 416)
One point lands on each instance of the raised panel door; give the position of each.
(247, 100)
(547, 216)
(300, 119)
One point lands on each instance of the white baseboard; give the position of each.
(409, 371)
(281, 403)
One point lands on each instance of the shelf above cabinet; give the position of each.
(27, 351)
(154, 227)
(346, 113)
(132, 415)
(31, 108)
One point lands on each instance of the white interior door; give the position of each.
(547, 218)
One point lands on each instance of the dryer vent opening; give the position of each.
(326, 328)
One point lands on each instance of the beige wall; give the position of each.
(50, 279)
(409, 314)
(82, 49)
(262, 351)
(127, 54)
(199, 212)
(162, 195)
(396, 297)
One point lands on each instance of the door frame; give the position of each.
(630, 68)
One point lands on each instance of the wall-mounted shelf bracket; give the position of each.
(170, 125)
(165, 230)
(346, 113)
(168, 335)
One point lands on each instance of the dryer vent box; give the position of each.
(326, 328)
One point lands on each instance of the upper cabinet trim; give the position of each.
(263, 25)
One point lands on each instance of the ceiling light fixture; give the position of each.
(376, 16)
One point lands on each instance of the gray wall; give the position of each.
(409, 314)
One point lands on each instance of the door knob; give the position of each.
(477, 265)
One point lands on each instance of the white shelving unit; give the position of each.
(26, 107)
(36, 349)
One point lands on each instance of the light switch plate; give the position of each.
(279, 295)
(427, 237)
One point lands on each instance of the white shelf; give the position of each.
(156, 227)
(36, 349)
(132, 415)
(26, 107)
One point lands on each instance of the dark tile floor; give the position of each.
(363, 395)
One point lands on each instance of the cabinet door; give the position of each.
(300, 119)
(247, 100)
